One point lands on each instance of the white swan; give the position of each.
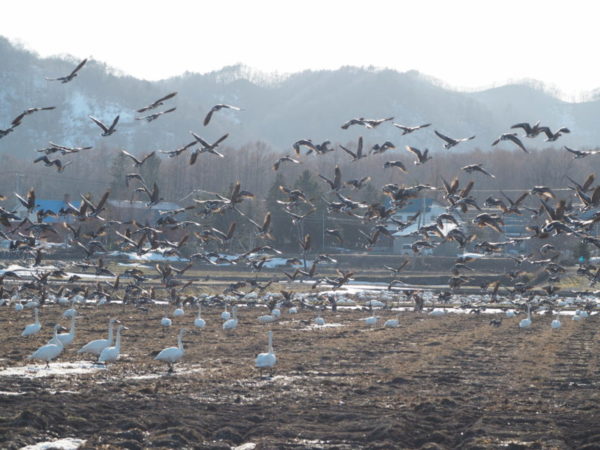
(66, 338)
(49, 351)
(33, 328)
(556, 322)
(178, 312)
(231, 324)
(71, 312)
(225, 315)
(199, 322)
(510, 313)
(293, 310)
(165, 322)
(95, 347)
(171, 355)
(526, 323)
(392, 323)
(19, 306)
(267, 318)
(267, 360)
(276, 312)
(319, 320)
(370, 320)
(110, 354)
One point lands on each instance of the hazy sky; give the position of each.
(466, 44)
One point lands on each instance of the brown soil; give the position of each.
(435, 382)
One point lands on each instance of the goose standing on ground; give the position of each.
(33, 328)
(110, 354)
(267, 360)
(171, 355)
(526, 323)
(199, 322)
(49, 351)
(95, 347)
(231, 324)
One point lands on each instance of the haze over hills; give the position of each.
(311, 104)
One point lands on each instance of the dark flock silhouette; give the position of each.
(26, 232)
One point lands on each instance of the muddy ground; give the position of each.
(434, 382)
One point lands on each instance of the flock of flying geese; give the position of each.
(562, 217)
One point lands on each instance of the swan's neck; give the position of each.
(199, 311)
(529, 312)
(57, 341)
(270, 346)
(118, 341)
(72, 331)
(37, 320)
(110, 331)
(180, 341)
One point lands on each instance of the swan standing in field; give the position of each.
(33, 328)
(71, 312)
(392, 323)
(556, 322)
(49, 351)
(18, 306)
(171, 355)
(293, 310)
(199, 322)
(267, 360)
(165, 322)
(225, 315)
(510, 313)
(95, 347)
(526, 323)
(178, 312)
(66, 338)
(231, 324)
(319, 321)
(110, 354)
(267, 318)
(370, 320)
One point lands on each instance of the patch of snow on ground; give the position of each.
(55, 369)
(61, 444)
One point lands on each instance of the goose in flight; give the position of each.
(550, 136)
(157, 103)
(216, 108)
(60, 166)
(206, 147)
(359, 154)
(336, 183)
(407, 130)
(179, 151)
(106, 131)
(399, 164)
(367, 123)
(72, 75)
(531, 131)
(511, 137)
(477, 168)
(284, 159)
(138, 162)
(451, 142)
(151, 117)
(358, 184)
(581, 153)
(422, 156)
